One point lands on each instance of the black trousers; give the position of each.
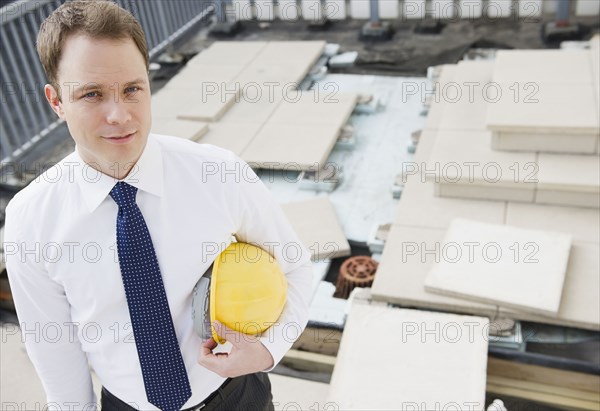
(250, 392)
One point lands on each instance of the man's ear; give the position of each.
(52, 98)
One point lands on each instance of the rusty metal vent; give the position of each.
(357, 271)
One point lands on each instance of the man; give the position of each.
(106, 247)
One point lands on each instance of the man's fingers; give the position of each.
(219, 363)
(206, 350)
(211, 344)
(226, 333)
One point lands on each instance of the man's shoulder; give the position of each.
(45, 185)
(184, 148)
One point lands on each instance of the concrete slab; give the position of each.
(580, 302)
(231, 136)
(465, 97)
(410, 252)
(312, 144)
(251, 108)
(237, 53)
(296, 393)
(418, 207)
(581, 223)
(466, 158)
(315, 107)
(568, 198)
(569, 172)
(191, 130)
(438, 104)
(566, 143)
(541, 67)
(426, 142)
(524, 270)
(595, 59)
(169, 103)
(292, 52)
(546, 108)
(407, 257)
(569, 180)
(431, 370)
(266, 76)
(197, 76)
(204, 106)
(484, 192)
(475, 71)
(318, 227)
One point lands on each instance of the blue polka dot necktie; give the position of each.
(165, 378)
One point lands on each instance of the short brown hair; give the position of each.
(99, 19)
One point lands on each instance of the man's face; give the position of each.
(105, 101)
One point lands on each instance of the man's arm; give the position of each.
(46, 327)
(261, 221)
(264, 223)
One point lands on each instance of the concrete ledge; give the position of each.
(547, 142)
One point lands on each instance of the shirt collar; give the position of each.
(146, 175)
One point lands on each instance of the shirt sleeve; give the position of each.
(262, 222)
(43, 311)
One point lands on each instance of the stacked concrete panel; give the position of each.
(469, 160)
(219, 77)
(549, 103)
(248, 92)
(202, 91)
(558, 203)
(536, 261)
(322, 232)
(423, 360)
(238, 86)
(310, 123)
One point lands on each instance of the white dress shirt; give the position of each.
(62, 262)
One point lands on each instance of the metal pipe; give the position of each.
(563, 11)
(374, 10)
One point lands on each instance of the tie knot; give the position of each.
(123, 194)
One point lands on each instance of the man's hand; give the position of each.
(248, 355)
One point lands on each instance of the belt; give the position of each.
(221, 393)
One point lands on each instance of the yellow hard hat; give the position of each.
(247, 293)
